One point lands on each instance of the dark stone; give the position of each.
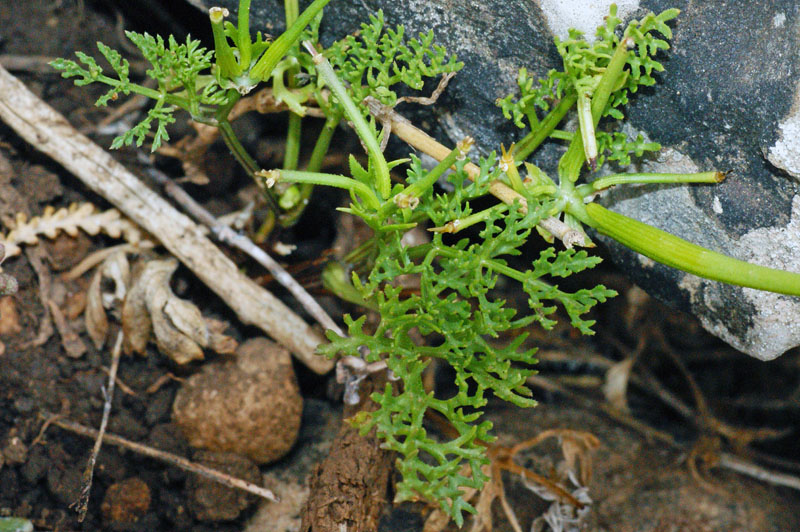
(158, 407)
(127, 426)
(35, 468)
(719, 105)
(173, 506)
(727, 101)
(211, 501)
(65, 482)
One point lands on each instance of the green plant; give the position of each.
(456, 315)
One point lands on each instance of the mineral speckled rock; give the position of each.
(251, 406)
(728, 101)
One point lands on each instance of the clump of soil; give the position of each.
(250, 406)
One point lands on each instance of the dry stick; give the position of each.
(82, 504)
(418, 139)
(36, 64)
(169, 458)
(229, 236)
(734, 463)
(50, 132)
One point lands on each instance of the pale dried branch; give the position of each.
(36, 64)
(777, 478)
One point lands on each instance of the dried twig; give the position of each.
(49, 132)
(82, 504)
(229, 236)
(35, 64)
(703, 418)
(734, 463)
(169, 458)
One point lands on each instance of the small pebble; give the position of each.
(126, 502)
(15, 451)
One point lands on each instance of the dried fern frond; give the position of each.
(84, 217)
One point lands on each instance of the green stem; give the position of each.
(244, 44)
(330, 180)
(417, 189)
(549, 191)
(533, 120)
(244, 159)
(240, 154)
(294, 129)
(586, 127)
(323, 142)
(153, 94)
(363, 129)
(224, 110)
(334, 278)
(263, 68)
(560, 134)
(314, 165)
(643, 178)
(292, 11)
(532, 140)
(678, 253)
(509, 166)
(454, 226)
(569, 167)
(226, 62)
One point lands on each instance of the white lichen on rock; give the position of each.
(583, 15)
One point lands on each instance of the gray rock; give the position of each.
(728, 101)
(724, 102)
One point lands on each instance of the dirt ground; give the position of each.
(662, 459)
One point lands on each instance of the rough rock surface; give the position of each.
(728, 100)
(251, 406)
